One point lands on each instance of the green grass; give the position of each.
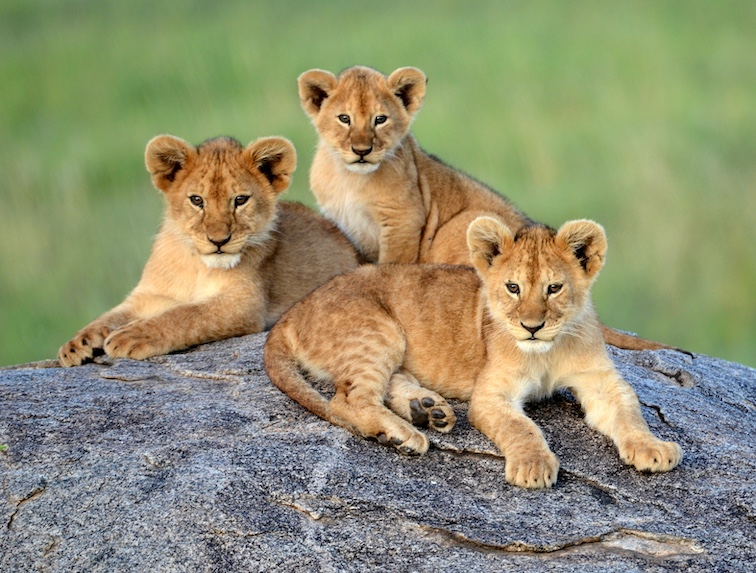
(638, 114)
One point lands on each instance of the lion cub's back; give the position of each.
(436, 307)
(310, 251)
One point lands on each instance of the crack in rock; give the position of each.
(658, 411)
(126, 378)
(654, 545)
(640, 543)
(34, 493)
(316, 507)
(221, 376)
(464, 451)
(55, 542)
(665, 371)
(601, 491)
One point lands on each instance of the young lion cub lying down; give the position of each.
(229, 260)
(520, 328)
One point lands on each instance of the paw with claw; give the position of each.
(534, 469)
(650, 454)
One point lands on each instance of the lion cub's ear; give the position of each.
(314, 87)
(586, 240)
(164, 157)
(487, 238)
(408, 84)
(273, 157)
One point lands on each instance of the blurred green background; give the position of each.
(639, 114)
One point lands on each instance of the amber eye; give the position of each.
(344, 118)
(513, 288)
(239, 200)
(553, 289)
(379, 119)
(196, 200)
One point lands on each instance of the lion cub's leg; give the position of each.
(612, 408)
(170, 326)
(90, 340)
(529, 461)
(361, 374)
(416, 404)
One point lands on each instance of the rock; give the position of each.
(195, 462)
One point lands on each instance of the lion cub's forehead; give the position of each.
(534, 256)
(219, 154)
(363, 90)
(220, 145)
(218, 168)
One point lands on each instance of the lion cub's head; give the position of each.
(538, 280)
(221, 196)
(362, 114)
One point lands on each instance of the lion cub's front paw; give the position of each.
(135, 342)
(83, 346)
(533, 470)
(651, 454)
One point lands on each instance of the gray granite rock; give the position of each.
(195, 462)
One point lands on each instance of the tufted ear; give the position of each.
(487, 238)
(408, 84)
(275, 158)
(586, 240)
(164, 157)
(314, 87)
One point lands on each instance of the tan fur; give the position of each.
(517, 328)
(397, 203)
(229, 259)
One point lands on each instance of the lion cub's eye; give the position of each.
(344, 118)
(513, 288)
(239, 200)
(379, 119)
(196, 200)
(553, 289)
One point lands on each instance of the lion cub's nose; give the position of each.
(362, 151)
(532, 329)
(219, 242)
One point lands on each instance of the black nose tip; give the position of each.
(362, 152)
(220, 242)
(532, 329)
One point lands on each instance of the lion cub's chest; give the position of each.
(178, 274)
(355, 222)
(343, 198)
(528, 376)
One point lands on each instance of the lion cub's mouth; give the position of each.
(221, 260)
(534, 345)
(362, 166)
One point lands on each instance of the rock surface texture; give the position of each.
(195, 462)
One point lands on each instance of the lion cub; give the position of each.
(228, 260)
(518, 329)
(397, 203)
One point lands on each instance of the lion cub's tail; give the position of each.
(632, 342)
(283, 369)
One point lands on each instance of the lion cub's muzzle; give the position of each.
(531, 337)
(363, 159)
(219, 244)
(222, 255)
(533, 329)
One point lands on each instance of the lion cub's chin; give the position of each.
(221, 261)
(535, 346)
(362, 167)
